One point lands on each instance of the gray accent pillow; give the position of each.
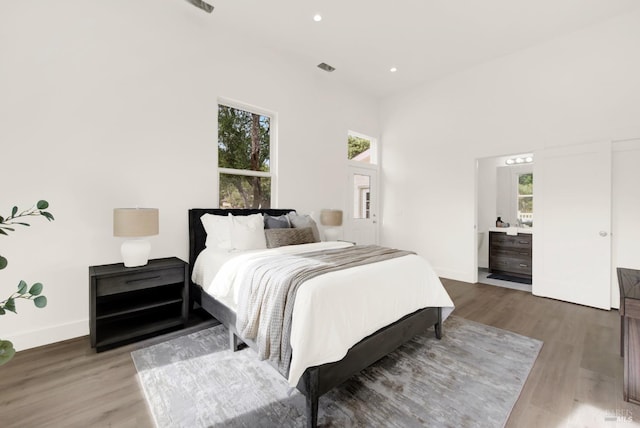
(291, 236)
(276, 222)
(305, 220)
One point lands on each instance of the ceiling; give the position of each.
(424, 39)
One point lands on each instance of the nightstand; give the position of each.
(129, 304)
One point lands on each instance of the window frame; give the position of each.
(273, 132)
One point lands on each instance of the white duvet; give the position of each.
(336, 310)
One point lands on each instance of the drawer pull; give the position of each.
(131, 281)
(523, 242)
(523, 265)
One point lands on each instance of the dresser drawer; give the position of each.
(510, 265)
(516, 253)
(136, 281)
(502, 240)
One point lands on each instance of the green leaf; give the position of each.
(1, 219)
(14, 211)
(42, 205)
(21, 224)
(10, 305)
(7, 351)
(22, 287)
(35, 289)
(2, 232)
(2, 311)
(8, 228)
(40, 301)
(3, 263)
(47, 215)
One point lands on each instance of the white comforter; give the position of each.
(336, 310)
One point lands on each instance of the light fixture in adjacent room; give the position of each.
(135, 223)
(519, 160)
(332, 218)
(317, 17)
(393, 69)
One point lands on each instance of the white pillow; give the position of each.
(218, 228)
(247, 232)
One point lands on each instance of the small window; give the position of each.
(361, 148)
(244, 158)
(525, 199)
(361, 196)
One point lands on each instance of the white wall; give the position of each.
(113, 104)
(582, 87)
(487, 197)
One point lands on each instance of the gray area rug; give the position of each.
(470, 378)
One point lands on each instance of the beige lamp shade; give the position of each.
(331, 217)
(135, 222)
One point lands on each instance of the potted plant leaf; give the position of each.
(34, 292)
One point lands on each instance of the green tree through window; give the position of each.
(357, 145)
(244, 158)
(525, 198)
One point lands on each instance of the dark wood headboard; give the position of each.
(198, 236)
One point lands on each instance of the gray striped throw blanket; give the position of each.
(267, 295)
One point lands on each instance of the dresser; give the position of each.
(129, 304)
(511, 254)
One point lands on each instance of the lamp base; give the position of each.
(332, 234)
(135, 252)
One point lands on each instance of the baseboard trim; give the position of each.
(456, 275)
(46, 336)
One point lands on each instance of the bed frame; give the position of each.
(319, 379)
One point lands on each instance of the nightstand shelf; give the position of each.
(129, 304)
(119, 333)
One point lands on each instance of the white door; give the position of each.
(572, 226)
(362, 216)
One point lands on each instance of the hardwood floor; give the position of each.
(575, 382)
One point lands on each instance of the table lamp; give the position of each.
(135, 223)
(331, 218)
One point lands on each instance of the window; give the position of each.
(361, 148)
(525, 199)
(244, 158)
(361, 196)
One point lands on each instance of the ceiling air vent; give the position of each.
(326, 67)
(202, 5)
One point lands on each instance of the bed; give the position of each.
(315, 379)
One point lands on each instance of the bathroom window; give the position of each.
(525, 199)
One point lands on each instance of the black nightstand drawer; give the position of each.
(128, 304)
(138, 281)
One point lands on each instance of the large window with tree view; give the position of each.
(244, 158)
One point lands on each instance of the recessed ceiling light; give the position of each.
(393, 69)
(317, 17)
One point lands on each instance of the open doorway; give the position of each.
(505, 219)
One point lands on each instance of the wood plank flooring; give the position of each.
(576, 381)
